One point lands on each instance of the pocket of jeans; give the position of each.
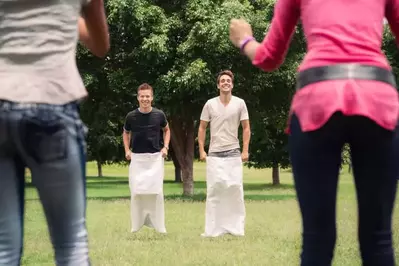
(45, 138)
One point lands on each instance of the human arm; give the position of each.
(126, 136)
(270, 53)
(204, 120)
(246, 136)
(126, 143)
(201, 139)
(246, 131)
(166, 140)
(93, 28)
(166, 135)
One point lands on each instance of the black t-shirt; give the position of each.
(146, 130)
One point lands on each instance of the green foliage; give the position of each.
(390, 49)
(179, 47)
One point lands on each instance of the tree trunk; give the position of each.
(188, 181)
(176, 165)
(178, 175)
(276, 174)
(182, 140)
(99, 169)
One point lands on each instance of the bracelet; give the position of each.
(245, 42)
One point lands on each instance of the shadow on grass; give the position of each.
(107, 178)
(200, 197)
(262, 186)
(108, 182)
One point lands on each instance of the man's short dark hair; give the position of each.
(225, 72)
(145, 86)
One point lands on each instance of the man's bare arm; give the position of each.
(201, 135)
(246, 135)
(126, 140)
(93, 28)
(166, 136)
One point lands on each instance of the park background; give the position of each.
(178, 47)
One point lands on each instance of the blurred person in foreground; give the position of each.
(40, 126)
(346, 93)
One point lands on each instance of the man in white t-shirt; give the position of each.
(225, 210)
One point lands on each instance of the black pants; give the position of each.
(316, 159)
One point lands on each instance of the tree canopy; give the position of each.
(179, 47)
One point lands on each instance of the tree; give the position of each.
(269, 109)
(269, 141)
(390, 47)
(179, 47)
(176, 164)
(104, 142)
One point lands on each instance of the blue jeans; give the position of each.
(228, 153)
(316, 159)
(50, 141)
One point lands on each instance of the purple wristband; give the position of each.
(245, 42)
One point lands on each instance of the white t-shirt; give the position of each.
(38, 42)
(224, 122)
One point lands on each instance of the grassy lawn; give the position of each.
(272, 225)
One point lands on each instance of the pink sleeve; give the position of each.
(392, 16)
(270, 55)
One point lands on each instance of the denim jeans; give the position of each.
(224, 154)
(316, 159)
(50, 141)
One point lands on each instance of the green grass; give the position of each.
(272, 237)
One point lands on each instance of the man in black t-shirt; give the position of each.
(143, 125)
(146, 138)
(144, 129)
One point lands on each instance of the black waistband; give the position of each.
(344, 71)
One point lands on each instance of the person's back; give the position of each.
(340, 31)
(40, 90)
(38, 42)
(337, 32)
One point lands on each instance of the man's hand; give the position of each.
(202, 155)
(164, 152)
(244, 156)
(128, 155)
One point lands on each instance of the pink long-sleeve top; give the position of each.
(337, 31)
